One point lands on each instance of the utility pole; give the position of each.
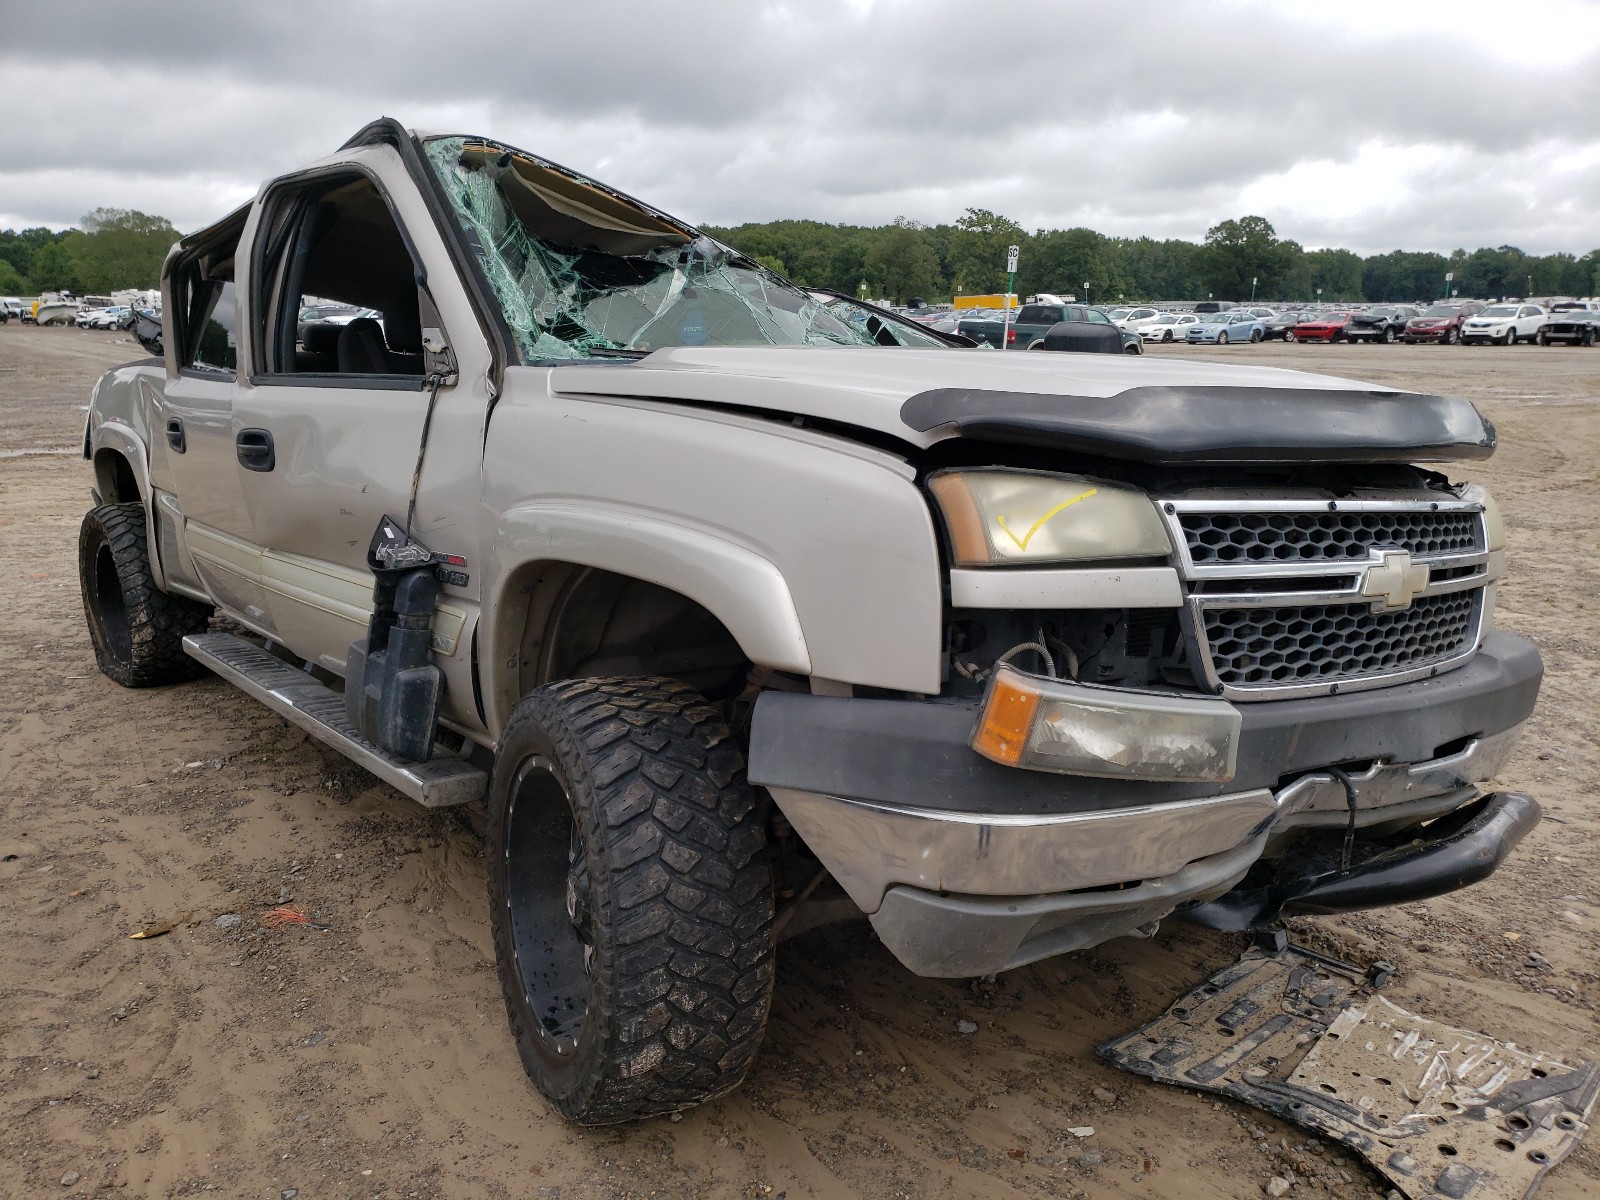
(1253, 280)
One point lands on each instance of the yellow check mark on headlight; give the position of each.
(1022, 542)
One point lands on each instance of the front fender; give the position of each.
(743, 590)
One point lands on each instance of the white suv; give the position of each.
(1504, 324)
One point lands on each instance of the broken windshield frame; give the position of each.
(582, 271)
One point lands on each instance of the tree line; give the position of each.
(121, 248)
(113, 248)
(1238, 257)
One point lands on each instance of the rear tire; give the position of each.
(1288, 336)
(137, 629)
(630, 898)
(1255, 336)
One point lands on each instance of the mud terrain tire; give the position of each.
(137, 629)
(630, 897)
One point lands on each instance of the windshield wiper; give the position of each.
(616, 352)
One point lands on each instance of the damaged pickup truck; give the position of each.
(740, 619)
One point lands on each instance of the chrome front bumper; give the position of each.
(870, 848)
(958, 894)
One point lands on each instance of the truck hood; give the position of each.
(1141, 409)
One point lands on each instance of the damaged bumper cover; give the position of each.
(968, 867)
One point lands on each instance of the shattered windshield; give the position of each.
(581, 271)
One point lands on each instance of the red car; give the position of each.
(1441, 322)
(1324, 327)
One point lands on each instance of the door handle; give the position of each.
(175, 436)
(255, 450)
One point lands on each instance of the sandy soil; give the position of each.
(370, 1057)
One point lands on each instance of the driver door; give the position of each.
(339, 410)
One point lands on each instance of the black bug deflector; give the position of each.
(1440, 1111)
(1216, 424)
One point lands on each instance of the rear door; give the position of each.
(193, 461)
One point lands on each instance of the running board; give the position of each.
(301, 700)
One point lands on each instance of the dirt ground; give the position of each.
(370, 1057)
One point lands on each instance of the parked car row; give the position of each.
(1470, 322)
(118, 316)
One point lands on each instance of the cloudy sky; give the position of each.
(1417, 126)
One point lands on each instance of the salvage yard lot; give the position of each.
(370, 1056)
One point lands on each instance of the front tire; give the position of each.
(1451, 337)
(1222, 338)
(630, 898)
(1388, 337)
(137, 629)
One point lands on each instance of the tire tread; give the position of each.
(158, 621)
(682, 896)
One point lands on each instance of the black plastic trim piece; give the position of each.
(1473, 844)
(377, 383)
(1216, 424)
(916, 752)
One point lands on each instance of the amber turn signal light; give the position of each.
(1008, 715)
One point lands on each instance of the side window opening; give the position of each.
(339, 285)
(203, 287)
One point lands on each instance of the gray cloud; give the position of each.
(1157, 119)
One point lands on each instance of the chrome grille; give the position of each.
(1296, 596)
(1336, 643)
(1266, 537)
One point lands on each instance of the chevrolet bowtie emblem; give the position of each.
(1394, 579)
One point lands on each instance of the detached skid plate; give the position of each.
(1440, 1111)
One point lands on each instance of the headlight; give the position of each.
(997, 517)
(1058, 725)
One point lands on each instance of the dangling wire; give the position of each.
(435, 381)
(1350, 829)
